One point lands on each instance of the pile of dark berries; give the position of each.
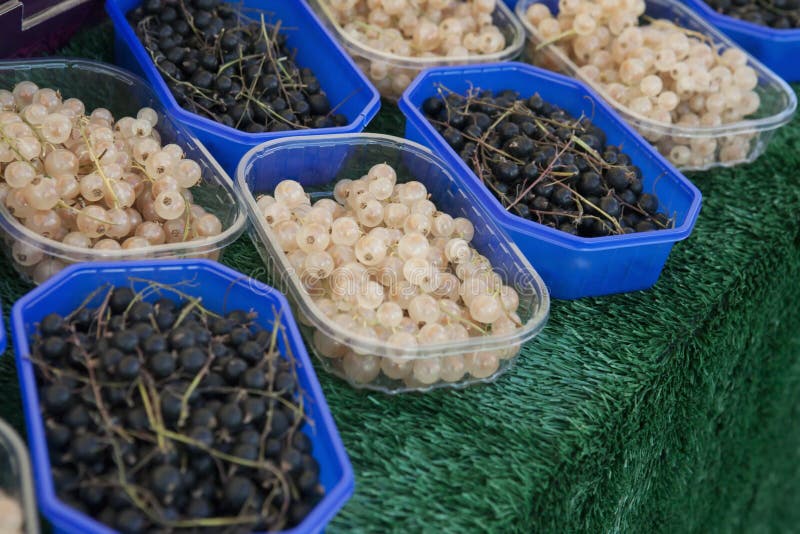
(163, 416)
(231, 68)
(778, 14)
(545, 165)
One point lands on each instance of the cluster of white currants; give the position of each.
(658, 71)
(384, 263)
(90, 182)
(449, 29)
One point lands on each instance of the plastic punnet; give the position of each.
(571, 266)
(401, 70)
(348, 89)
(101, 85)
(318, 163)
(221, 289)
(778, 100)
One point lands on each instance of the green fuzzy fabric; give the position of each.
(674, 410)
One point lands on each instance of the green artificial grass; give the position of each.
(671, 410)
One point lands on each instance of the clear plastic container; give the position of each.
(318, 162)
(100, 85)
(221, 289)
(16, 480)
(778, 100)
(401, 70)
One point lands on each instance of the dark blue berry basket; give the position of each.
(220, 288)
(343, 82)
(571, 266)
(777, 49)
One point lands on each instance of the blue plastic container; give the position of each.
(221, 289)
(777, 49)
(344, 84)
(571, 266)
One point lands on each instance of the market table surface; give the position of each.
(673, 409)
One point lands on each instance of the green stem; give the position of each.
(148, 409)
(99, 167)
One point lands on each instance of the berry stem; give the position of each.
(110, 426)
(479, 141)
(555, 39)
(342, 102)
(148, 408)
(267, 465)
(154, 286)
(187, 223)
(543, 174)
(213, 522)
(614, 221)
(192, 387)
(99, 167)
(64, 205)
(467, 322)
(194, 302)
(238, 60)
(7, 140)
(190, 20)
(140, 167)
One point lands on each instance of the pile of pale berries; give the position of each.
(89, 181)
(417, 28)
(382, 262)
(657, 71)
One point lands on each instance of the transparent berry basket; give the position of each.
(749, 136)
(16, 480)
(37, 258)
(392, 73)
(318, 162)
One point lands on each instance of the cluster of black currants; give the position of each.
(165, 417)
(778, 14)
(544, 165)
(230, 68)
